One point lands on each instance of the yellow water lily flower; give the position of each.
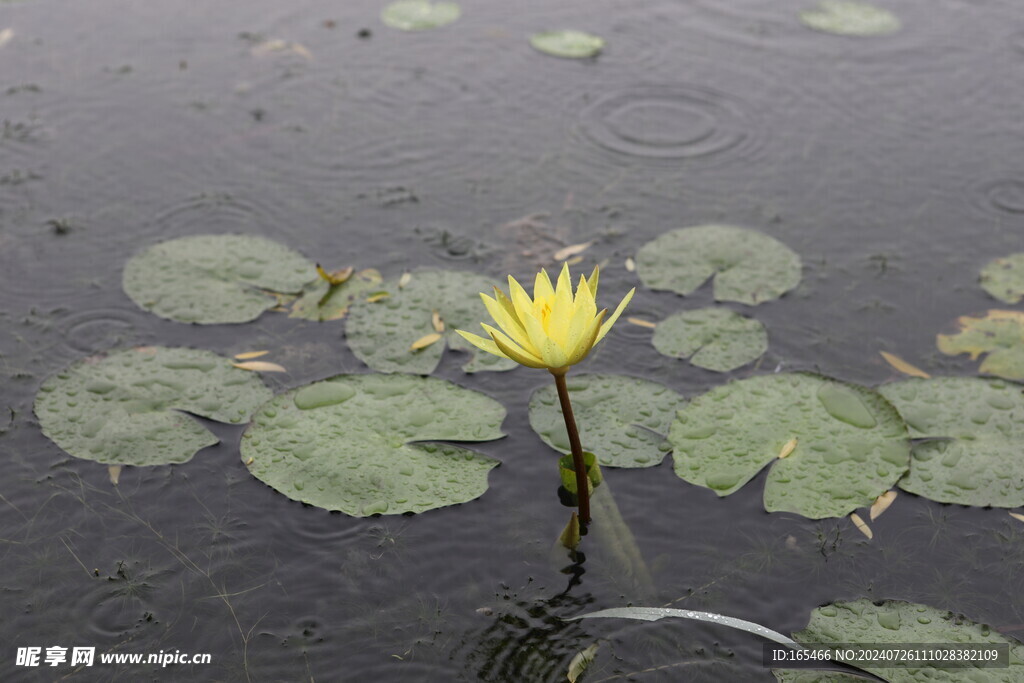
(554, 330)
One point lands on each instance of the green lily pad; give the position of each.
(381, 332)
(846, 18)
(1000, 334)
(851, 444)
(1003, 278)
(977, 427)
(325, 301)
(124, 409)
(623, 420)
(748, 266)
(897, 622)
(712, 338)
(567, 43)
(344, 443)
(416, 15)
(209, 279)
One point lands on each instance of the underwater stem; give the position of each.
(580, 467)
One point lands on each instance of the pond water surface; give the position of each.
(891, 164)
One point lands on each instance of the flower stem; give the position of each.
(580, 467)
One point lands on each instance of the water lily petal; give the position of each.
(484, 344)
(561, 311)
(592, 281)
(521, 301)
(587, 339)
(615, 316)
(551, 353)
(507, 305)
(585, 298)
(507, 323)
(509, 349)
(542, 288)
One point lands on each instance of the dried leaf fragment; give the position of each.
(5, 36)
(435, 319)
(630, 264)
(404, 280)
(903, 366)
(580, 662)
(1017, 516)
(425, 341)
(337, 277)
(640, 322)
(788, 448)
(377, 296)
(249, 355)
(882, 504)
(572, 250)
(260, 366)
(115, 474)
(861, 525)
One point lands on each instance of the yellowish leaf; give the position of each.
(580, 662)
(574, 260)
(404, 280)
(5, 36)
(1017, 516)
(572, 250)
(435, 319)
(115, 474)
(640, 322)
(249, 355)
(903, 366)
(787, 448)
(882, 504)
(377, 296)
(425, 341)
(250, 461)
(861, 525)
(337, 277)
(630, 264)
(259, 366)
(570, 536)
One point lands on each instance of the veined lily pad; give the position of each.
(975, 429)
(851, 445)
(344, 443)
(416, 15)
(1000, 334)
(1003, 278)
(623, 420)
(712, 338)
(847, 18)
(748, 266)
(567, 43)
(124, 409)
(380, 332)
(210, 279)
(325, 301)
(898, 622)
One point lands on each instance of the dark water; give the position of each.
(892, 165)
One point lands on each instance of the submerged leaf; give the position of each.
(126, 408)
(852, 443)
(208, 279)
(416, 15)
(1003, 278)
(567, 43)
(581, 660)
(715, 339)
(973, 429)
(903, 366)
(848, 18)
(355, 443)
(998, 333)
(748, 266)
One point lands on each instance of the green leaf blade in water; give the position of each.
(748, 267)
(975, 427)
(1003, 278)
(623, 420)
(848, 18)
(344, 443)
(211, 279)
(381, 332)
(851, 444)
(568, 44)
(715, 339)
(418, 15)
(124, 409)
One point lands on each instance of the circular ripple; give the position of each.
(90, 332)
(667, 122)
(1005, 195)
(212, 212)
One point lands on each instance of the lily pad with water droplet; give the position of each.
(381, 332)
(417, 15)
(846, 18)
(896, 623)
(346, 443)
(748, 266)
(1000, 334)
(1003, 278)
(712, 338)
(209, 279)
(125, 408)
(852, 445)
(325, 301)
(623, 420)
(567, 43)
(974, 429)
